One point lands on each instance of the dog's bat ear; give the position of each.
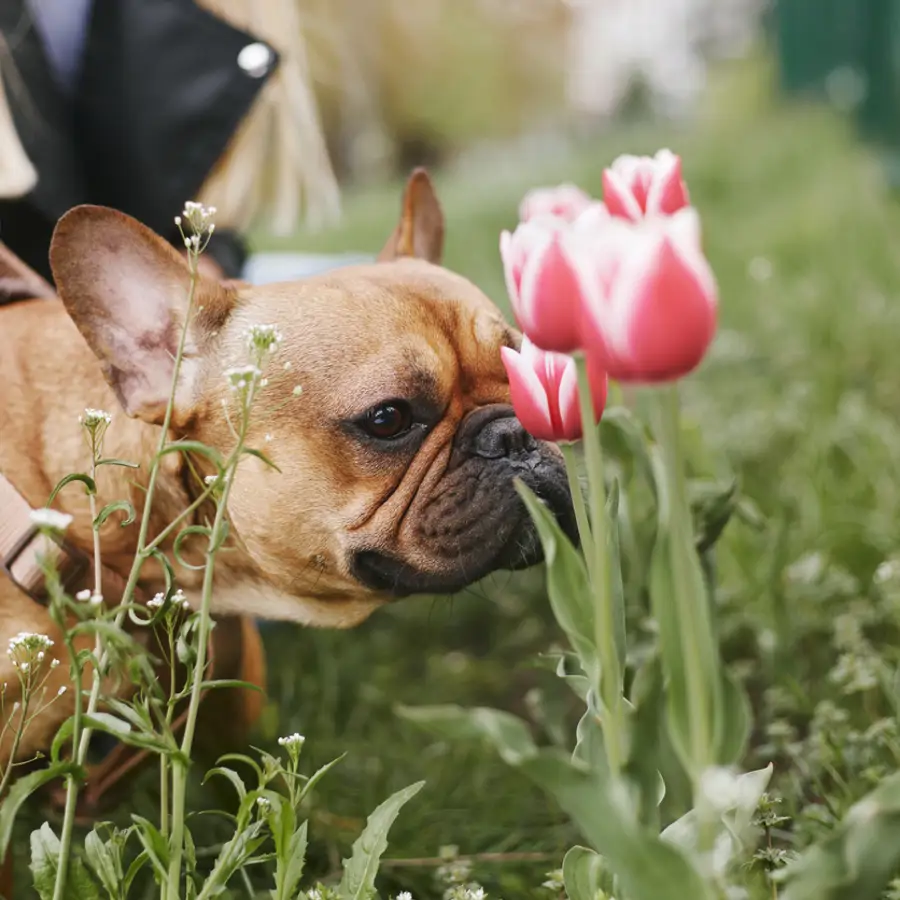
(127, 290)
(420, 231)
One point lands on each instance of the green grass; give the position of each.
(800, 398)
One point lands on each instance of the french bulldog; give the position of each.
(396, 462)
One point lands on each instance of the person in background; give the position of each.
(142, 105)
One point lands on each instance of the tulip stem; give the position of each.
(696, 644)
(607, 619)
(581, 514)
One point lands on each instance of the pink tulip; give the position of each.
(566, 202)
(650, 307)
(544, 390)
(543, 287)
(638, 186)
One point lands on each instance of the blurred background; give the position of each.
(787, 116)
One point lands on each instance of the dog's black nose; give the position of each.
(493, 432)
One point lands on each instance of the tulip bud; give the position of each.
(543, 287)
(655, 315)
(638, 186)
(566, 201)
(544, 390)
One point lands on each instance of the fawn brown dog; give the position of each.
(396, 463)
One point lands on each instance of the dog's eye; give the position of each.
(388, 420)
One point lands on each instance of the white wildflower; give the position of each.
(156, 601)
(240, 378)
(292, 740)
(404, 895)
(61, 691)
(298, 390)
(50, 519)
(263, 339)
(27, 650)
(199, 218)
(267, 438)
(179, 599)
(96, 599)
(211, 479)
(94, 418)
(83, 596)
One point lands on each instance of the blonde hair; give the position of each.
(276, 166)
(275, 171)
(17, 175)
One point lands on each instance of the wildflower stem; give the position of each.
(72, 785)
(17, 739)
(179, 769)
(81, 741)
(581, 514)
(606, 617)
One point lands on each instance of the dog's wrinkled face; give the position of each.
(397, 461)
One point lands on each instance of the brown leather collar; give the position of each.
(22, 545)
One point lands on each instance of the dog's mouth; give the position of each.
(384, 573)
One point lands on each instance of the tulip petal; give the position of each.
(551, 298)
(668, 192)
(619, 198)
(663, 314)
(529, 397)
(512, 277)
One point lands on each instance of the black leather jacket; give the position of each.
(160, 94)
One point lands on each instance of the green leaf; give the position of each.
(567, 582)
(119, 506)
(578, 682)
(648, 702)
(583, 870)
(22, 788)
(358, 881)
(249, 451)
(290, 851)
(230, 775)
(118, 462)
(210, 453)
(624, 438)
(230, 683)
(105, 861)
(617, 588)
(90, 486)
(155, 846)
(647, 868)
(858, 858)
(734, 721)
(233, 856)
(122, 731)
(45, 851)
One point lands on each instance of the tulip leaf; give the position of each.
(567, 582)
(645, 866)
(583, 871)
(358, 882)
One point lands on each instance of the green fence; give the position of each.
(847, 52)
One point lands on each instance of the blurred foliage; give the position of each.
(432, 74)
